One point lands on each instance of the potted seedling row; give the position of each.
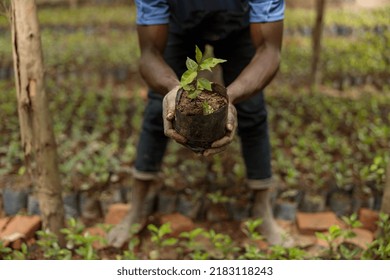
(201, 106)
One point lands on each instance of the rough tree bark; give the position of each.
(37, 135)
(316, 44)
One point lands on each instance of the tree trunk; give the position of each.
(316, 42)
(37, 135)
(385, 208)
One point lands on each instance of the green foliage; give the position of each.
(194, 247)
(379, 249)
(278, 252)
(5, 252)
(21, 254)
(79, 241)
(189, 80)
(218, 197)
(252, 250)
(224, 245)
(48, 242)
(251, 227)
(160, 238)
(337, 240)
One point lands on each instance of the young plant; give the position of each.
(223, 244)
(250, 229)
(252, 250)
(190, 81)
(160, 239)
(5, 252)
(278, 252)
(191, 243)
(379, 249)
(48, 242)
(218, 197)
(337, 240)
(79, 241)
(21, 254)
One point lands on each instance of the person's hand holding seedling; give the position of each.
(197, 91)
(169, 105)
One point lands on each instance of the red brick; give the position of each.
(369, 219)
(309, 223)
(179, 223)
(3, 223)
(20, 228)
(116, 213)
(363, 238)
(96, 231)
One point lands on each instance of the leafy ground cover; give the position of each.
(200, 243)
(321, 144)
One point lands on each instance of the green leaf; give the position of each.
(169, 242)
(210, 62)
(188, 77)
(152, 228)
(188, 87)
(198, 55)
(321, 235)
(203, 83)
(194, 94)
(207, 109)
(191, 64)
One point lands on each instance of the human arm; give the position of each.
(152, 66)
(267, 39)
(158, 74)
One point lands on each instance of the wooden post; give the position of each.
(316, 42)
(36, 130)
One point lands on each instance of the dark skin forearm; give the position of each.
(154, 70)
(267, 39)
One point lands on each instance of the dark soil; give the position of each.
(191, 107)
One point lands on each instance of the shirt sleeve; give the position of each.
(266, 10)
(150, 12)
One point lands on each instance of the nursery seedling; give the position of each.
(159, 238)
(190, 81)
(48, 242)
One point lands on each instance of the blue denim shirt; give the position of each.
(214, 17)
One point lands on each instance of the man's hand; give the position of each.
(231, 126)
(169, 106)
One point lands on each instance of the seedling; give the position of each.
(5, 252)
(160, 239)
(48, 242)
(78, 241)
(379, 249)
(250, 229)
(278, 252)
(337, 239)
(218, 197)
(223, 244)
(190, 81)
(195, 247)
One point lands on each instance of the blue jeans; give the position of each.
(238, 50)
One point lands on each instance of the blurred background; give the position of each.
(330, 140)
